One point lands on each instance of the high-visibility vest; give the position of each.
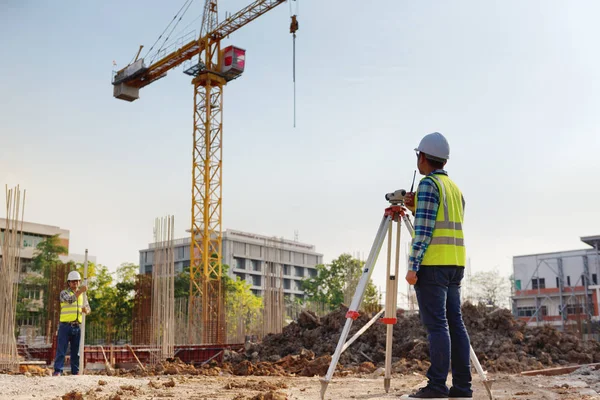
(71, 312)
(447, 247)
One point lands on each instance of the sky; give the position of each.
(513, 85)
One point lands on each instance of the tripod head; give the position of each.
(396, 197)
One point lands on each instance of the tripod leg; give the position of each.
(352, 313)
(389, 314)
(362, 330)
(486, 382)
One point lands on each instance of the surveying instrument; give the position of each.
(394, 213)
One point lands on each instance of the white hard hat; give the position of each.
(74, 276)
(435, 145)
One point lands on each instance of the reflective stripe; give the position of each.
(448, 240)
(448, 225)
(446, 216)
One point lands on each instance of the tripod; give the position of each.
(394, 213)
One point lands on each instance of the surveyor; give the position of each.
(436, 268)
(71, 310)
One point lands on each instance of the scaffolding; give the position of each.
(567, 299)
(273, 300)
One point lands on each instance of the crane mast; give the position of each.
(206, 312)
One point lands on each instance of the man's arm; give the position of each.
(67, 296)
(427, 204)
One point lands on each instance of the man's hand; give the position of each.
(85, 310)
(81, 289)
(409, 201)
(411, 277)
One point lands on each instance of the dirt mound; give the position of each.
(502, 343)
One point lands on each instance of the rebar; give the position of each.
(163, 290)
(11, 239)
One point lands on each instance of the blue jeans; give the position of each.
(66, 334)
(438, 294)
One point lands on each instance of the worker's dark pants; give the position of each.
(67, 333)
(438, 294)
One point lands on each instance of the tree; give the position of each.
(103, 299)
(34, 283)
(490, 288)
(336, 283)
(46, 254)
(241, 306)
(372, 299)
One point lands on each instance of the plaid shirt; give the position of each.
(427, 202)
(67, 296)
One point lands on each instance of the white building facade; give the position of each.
(250, 257)
(559, 288)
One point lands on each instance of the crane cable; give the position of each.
(186, 3)
(293, 28)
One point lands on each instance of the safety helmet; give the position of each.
(73, 276)
(435, 145)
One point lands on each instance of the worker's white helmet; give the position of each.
(435, 145)
(73, 276)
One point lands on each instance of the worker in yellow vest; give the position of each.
(436, 269)
(72, 308)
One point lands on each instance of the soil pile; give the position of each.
(502, 343)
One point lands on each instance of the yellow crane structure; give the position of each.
(215, 67)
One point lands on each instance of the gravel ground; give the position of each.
(577, 386)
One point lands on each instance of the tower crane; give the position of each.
(214, 68)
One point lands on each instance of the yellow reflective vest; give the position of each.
(447, 247)
(71, 312)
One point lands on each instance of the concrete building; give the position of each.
(33, 234)
(559, 288)
(247, 255)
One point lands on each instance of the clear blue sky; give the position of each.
(514, 86)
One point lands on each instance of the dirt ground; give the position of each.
(583, 385)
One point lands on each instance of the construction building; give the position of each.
(559, 288)
(248, 255)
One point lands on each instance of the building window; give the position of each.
(287, 270)
(530, 311)
(539, 283)
(256, 292)
(240, 276)
(256, 280)
(239, 263)
(313, 273)
(298, 285)
(148, 269)
(557, 282)
(298, 271)
(594, 279)
(256, 265)
(568, 281)
(181, 253)
(574, 309)
(287, 284)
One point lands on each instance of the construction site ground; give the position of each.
(580, 384)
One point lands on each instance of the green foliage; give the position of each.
(336, 283)
(372, 299)
(45, 257)
(111, 301)
(242, 307)
(46, 254)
